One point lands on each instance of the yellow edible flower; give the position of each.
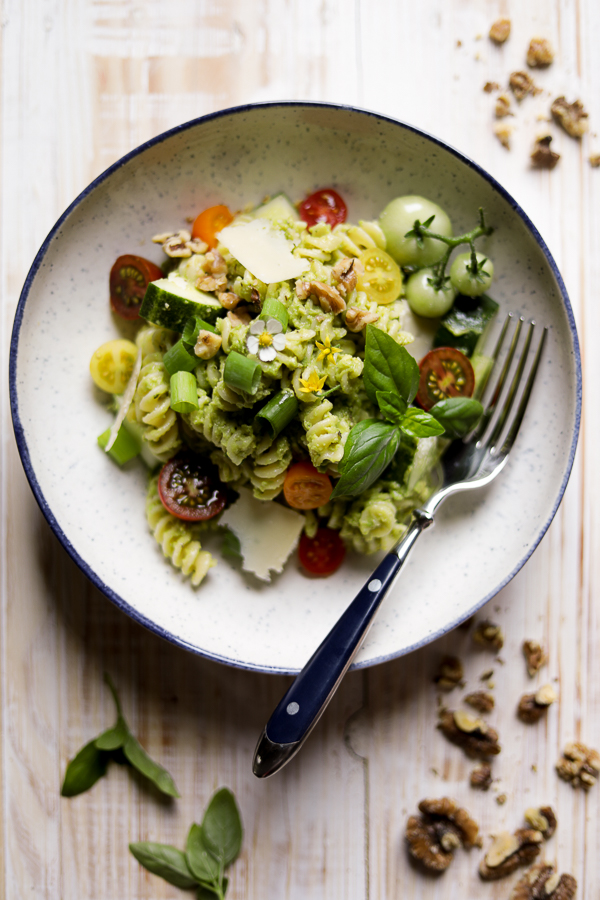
(312, 383)
(325, 349)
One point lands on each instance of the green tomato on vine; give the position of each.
(465, 280)
(423, 297)
(398, 218)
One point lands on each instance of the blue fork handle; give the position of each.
(302, 706)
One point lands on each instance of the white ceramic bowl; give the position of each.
(97, 510)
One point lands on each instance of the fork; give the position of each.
(467, 464)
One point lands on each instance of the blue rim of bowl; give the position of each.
(22, 443)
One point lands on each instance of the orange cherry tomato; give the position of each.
(445, 372)
(322, 554)
(208, 224)
(129, 278)
(305, 487)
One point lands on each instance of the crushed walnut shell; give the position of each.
(535, 657)
(542, 157)
(580, 765)
(449, 674)
(482, 701)
(532, 707)
(481, 777)
(570, 116)
(539, 53)
(476, 737)
(542, 819)
(357, 319)
(500, 31)
(488, 635)
(441, 828)
(490, 86)
(521, 84)
(508, 852)
(502, 108)
(542, 882)
(595, 160)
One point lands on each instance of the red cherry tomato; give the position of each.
(208, 224)
(445, 372)
(322, 554)
(189, 489)
(129, 278)
(305, 487)
(324, 205)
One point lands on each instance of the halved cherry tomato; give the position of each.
(324, 205)
(305, 487)
(382, 278)
(129, 278)
(189, 489)
(445, 372)
(322, 554)
(112, 364)
(208, 224)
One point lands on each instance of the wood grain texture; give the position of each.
(84, 81)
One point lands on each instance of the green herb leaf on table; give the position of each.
(202, 863)
(420, 424)
(209, 893)
(155, 773)
(366, 455)
(388, 367)
(84, 770)
(114, 737)
(391, 405)
(166, 861)
(222, 827)
(457, 415)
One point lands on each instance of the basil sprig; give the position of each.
(391, 380)
(210, 848)
(118, 744)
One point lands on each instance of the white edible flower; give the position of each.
(265, 338)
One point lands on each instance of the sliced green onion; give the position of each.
(274, 309)
(124, 448)
(179, 359)
(278, 412)
(184, 392)
(242, 373)
(192, 328)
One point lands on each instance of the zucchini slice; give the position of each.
(465, 325)
(171, 301)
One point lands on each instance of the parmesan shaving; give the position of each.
(263, 250)
(125, 401)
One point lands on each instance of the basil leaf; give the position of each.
(202, 863)
(230, 545)
(391, 405)
(366, 457)
(113, 738)
(208, 892)
(113, 691)
(84, 770)
(166, 861)
(140, 760)
(222, 827)
(418, 423)
(458, 415)
(388, 367)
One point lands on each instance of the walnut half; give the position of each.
(521, 84)
(500, 31)
(532, 707)
(476, 737)
(571, 116)
(450, 673)
(579, 765)
(539, 53)
(542, 157)
(542, 881)
(482, 701)
(535, 656)
(508, 852)
(488, 635)
(441, 828)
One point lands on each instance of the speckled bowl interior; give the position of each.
(97, 510)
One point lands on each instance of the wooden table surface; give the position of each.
(83, 82)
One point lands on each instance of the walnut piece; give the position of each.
(239, 316)
(215, 264)
(595, 160)
(475, 736)
(542, 882)
(441, 828)
(580, 765)
(345, 274)
(542, 157)
(571, 116)
(450, 673)
(211, 282)
(176, 246)
(482, 701)
(535, 656)
(542, 819)
(207, 344)
(487, 634)
(521, 84)
(357, 319)
(228, 299)
(539, 53)
(502, 108)
(503, 133)
(490, 86)
(501, 799)
(500, 31)
(508, 852)
(481, 777)
(329, 297)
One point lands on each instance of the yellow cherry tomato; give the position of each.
(112, 364)
(382, 278)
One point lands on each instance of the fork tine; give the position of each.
(518, 417)
(494, 357)
(512, 391)
(491, 406)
